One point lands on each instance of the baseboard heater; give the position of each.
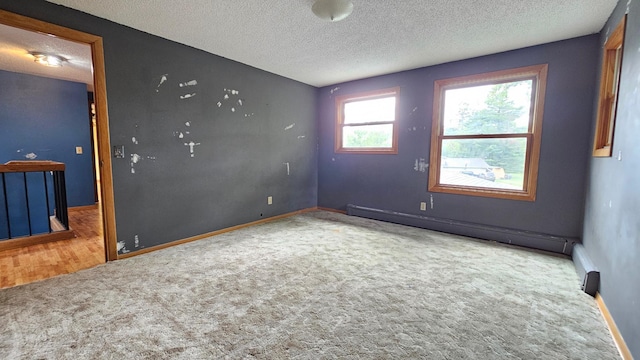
(557, 244)
(586, 270)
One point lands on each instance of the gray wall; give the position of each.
(391, 182)
(241, 158)
(612, 217)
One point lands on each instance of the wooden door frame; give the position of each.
(102, 117)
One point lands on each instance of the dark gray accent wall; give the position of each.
(398, 182)
(612, 216)
(253, 134)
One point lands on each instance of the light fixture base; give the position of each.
(332, 10)
(48, 59)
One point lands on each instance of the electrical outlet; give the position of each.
(423, 206)
(269, 200)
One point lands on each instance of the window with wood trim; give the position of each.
(608, 98)
(366, 123)
(485, 137)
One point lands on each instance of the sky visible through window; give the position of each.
(375, 110)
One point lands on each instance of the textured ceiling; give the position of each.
(16, 44)
(381, 36)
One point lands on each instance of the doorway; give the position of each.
(103, 168)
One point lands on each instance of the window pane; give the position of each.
(367, 136)
(488, 109)
(375, 110)
(488, 163)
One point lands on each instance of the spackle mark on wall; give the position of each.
(288, 169)
(431, 200)
(334, 89)
(420, 165)
(135, 158)
(191, 146)
(188, 123)
(136, 241)
(186, 96)
(179, 134)
(121, 247)
(290, 127)
(227, 97)
(249, 115)
(134, 140)
(301, 137)
(189, 83)
(19, 150)
(31, 156)
(162, 80)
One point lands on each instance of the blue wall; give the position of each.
(391, 182)
(612, 217)
(48, 118)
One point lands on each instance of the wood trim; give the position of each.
(369, 95)
(102, 117)
(104, 151)
(35, 240)
(213, 233)
(608, 98)
(84, 207)
(332, 210)
(613, 328)
(538, 73)
(31, 166)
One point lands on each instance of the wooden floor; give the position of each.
(37, 262)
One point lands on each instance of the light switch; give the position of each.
(79, 150)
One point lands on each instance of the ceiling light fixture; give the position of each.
(48, 60)
(332, 10)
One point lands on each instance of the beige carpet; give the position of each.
(314, 286)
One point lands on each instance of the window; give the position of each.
(366, 122)
(608, 98)
(485, 137)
